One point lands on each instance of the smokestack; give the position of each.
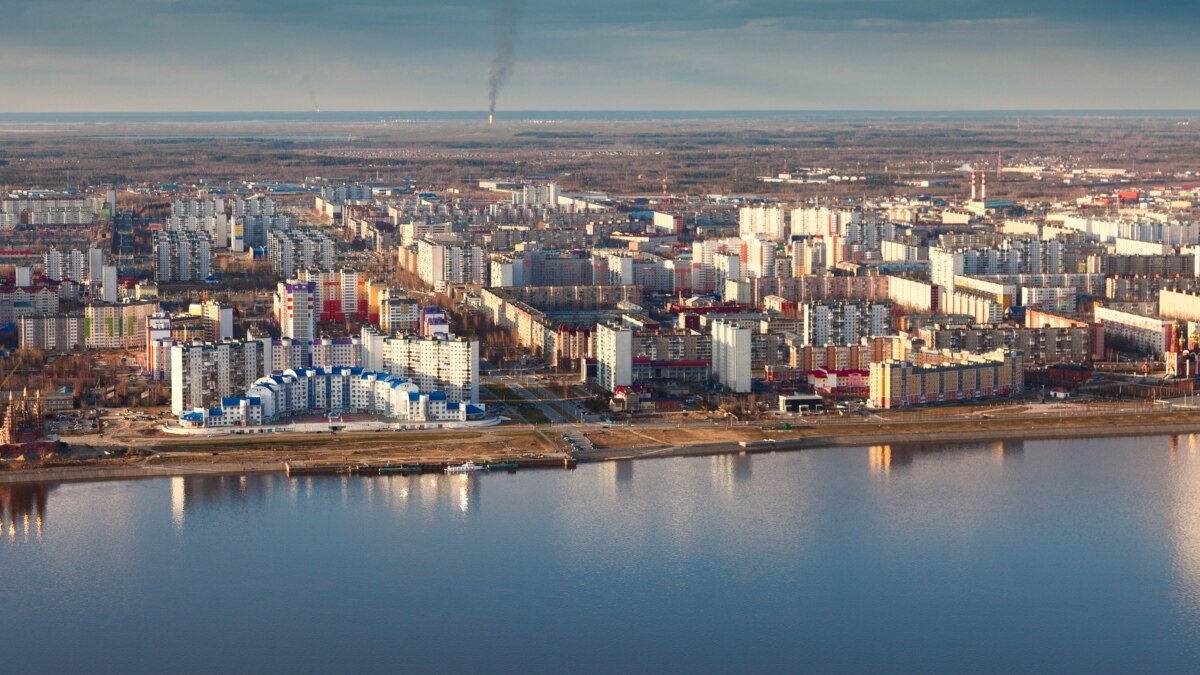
(972, 186)
(983, 188)
(504, 25)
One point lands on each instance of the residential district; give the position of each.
(316, 306)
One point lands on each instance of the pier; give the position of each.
(415, 468)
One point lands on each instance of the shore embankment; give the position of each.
(933, 437)
(611, 444)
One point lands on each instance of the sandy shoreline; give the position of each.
(900, 439)
(102, 473)
(1112, 430)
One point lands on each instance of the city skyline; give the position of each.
(238, 55)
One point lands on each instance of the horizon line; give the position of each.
(484, 111)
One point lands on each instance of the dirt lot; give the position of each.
(396, 448)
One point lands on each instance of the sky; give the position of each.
(257, 55)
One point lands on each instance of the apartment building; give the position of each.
(120, 326)
(182, 255)
(449, 365)
(1139, 333)
(294, 249)
(945, 377)
(731, 350)
(614, 356)
(52, 332)
(296, 309)
(204, 373)
(766, 221)
(844, 323)
(337, 294)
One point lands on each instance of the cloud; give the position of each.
(379, 54)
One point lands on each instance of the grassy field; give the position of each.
(534, 416)
(502, 393)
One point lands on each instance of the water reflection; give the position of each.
(23, 510)
(882, 459)
(728, 471)
(23, 506)
(1190, 444)
(427, 493)
(1185, 517)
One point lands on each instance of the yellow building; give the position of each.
(939, 377)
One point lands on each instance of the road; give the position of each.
(542, 399)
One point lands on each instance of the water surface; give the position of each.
(1007, 557)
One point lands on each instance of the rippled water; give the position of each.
(1044, 556)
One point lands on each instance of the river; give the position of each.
(1003, 557)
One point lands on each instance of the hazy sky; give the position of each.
(168, 55)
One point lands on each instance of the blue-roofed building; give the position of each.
(333, 391)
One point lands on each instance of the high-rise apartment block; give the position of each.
(441, 265)
(449, 365)
(764, 221)
(182, 255)
(731, 362)
(296, 309)
(614, 356)
(299, 248)
(204, 373)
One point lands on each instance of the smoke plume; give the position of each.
(504, 26)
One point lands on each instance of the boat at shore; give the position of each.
(503, 466)
(403, 468)
(465, 467)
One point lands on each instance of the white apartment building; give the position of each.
(614, 356)
(726, 266)
(296, 309)
(448, 364)
(760, 258)
(414, 231)
(545, 194)
(1053, 300)
(254, 206)
(823, 221)
(441, 265)
(202, 374)
(198, 207)
(808, 257)
(215, 225)
(844, 323)
(333, 391)
(110, 290)
(95, 265)
(1018, 256)
(1109, 230)
(731, 363)
(762, 220)
(1137, 333)
(398, 315)
(249, 231)
(182, 255)
(218, 319)
(295, 249)
(65, 265)
(49, 210)
(320, 353)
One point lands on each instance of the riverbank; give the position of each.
(897, 439)
(611, 444)
(134, 472)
